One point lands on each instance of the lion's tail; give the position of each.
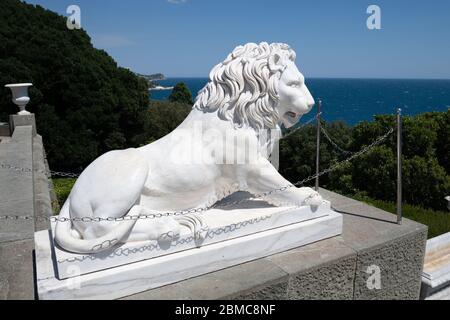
(65, 237)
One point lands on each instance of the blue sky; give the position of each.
(188, 37)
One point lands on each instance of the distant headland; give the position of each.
(152, 77)
(151, 81)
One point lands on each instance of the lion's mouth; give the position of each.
(290, 118)
(291, 114)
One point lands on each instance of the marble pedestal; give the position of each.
(236, 235)
(436, 269)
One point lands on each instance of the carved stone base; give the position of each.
(223, 224)
(253, 233)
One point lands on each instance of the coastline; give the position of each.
(157, 88)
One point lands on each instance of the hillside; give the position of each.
(84, 103)
(152, 77)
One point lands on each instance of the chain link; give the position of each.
(156, 247)
(314, 176)
(46, 173)
(334, 144)
(190, 211)
(11, 167)
(356, 154)
(302, 126)
(76, 175)
(64, 174)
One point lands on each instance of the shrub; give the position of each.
(181, 94)
(62, 187)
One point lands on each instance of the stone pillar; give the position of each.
(16, 120)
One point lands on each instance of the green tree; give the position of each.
(298, 152)
(425, 159)
(426, 180)
(181, 94)
(163, 117)
(84, 103)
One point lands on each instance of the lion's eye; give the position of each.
(295, 84)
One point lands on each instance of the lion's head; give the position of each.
(257, 86)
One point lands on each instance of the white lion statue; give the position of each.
(257, 88)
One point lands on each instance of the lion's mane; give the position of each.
(243, 88)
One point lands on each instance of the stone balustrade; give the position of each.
(22, 193)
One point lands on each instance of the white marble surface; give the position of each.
(151, 273)
(20, 95)
(436, 269)
(252, 216)
(443, 294)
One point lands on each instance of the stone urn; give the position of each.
(20, 95)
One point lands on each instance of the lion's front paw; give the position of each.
(314, 199)
(168, 230)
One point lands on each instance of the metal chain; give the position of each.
(11, 167)
(46, 173)
(76, 175)
(334, 144)
(197, 210)
(64, 174)
(302, 126)
(229, 228)
(312, 177)
(156, 247)
(355, 155)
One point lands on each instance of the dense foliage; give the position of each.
(426, 165)
(62, 188)
(84, 103)
(162, 117)
(181, 93)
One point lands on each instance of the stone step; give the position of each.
(436, 269)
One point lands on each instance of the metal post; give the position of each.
(399, 166)
(319, 105)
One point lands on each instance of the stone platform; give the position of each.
(117, 282)
(336, 268)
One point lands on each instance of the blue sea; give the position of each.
(354, 100)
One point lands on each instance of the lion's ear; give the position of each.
(275, 62)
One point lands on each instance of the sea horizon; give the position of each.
(352, 100)
(332, 78)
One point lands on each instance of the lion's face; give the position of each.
(257, 86)
(294, 98)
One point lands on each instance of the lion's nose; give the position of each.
(309, 98)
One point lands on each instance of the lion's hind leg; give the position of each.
(153, 225)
